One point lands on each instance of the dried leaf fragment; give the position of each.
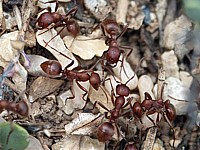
(43, 86)
(78, 142)
(59, 49)
(84, 124)
(84, 47)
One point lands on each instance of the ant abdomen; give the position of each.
(105, 132)
(51, 67)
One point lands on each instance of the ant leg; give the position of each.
(168, 122)
(162, 89)
(122, 67)
(181, 100)
(102, 29)
(128, 48)
(123, 31)
(54, 36)
(149, 113)
(104, 93)
(128, 102)
(130, 79)
(111, 72)
(72, 91)
(58, 52)
(82, 88)
(112, 91)
(100, 104)
(73, 10)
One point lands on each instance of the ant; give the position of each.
(106, 129)
(54, 68)
(111, 30)
(48, 18)
(20, 108)
(150, 106)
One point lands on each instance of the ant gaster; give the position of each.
(20, 108)
(54, 68)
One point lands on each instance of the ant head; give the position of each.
(51, 67)
(113, 54)
(72, 27)
(110, 26)
(105, 132)
(122, 90)
(95, 80)
(45, 20)
(22, 108)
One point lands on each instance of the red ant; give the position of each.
(106, 130)
(59, 20)
(54, 68)
(20, 108)
(150, 106)
(111, 30)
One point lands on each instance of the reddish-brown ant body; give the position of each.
(54, 68)
(47, 18)
(106, 130)
(151, 106)
(111, 30)
(20, 108)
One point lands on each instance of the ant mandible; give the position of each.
(20, 108)
(48, 18)
(54, 68)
